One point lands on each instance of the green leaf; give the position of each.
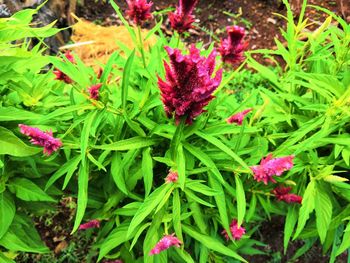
(323, 208)
(147, 206)
(83, 182)
(181, 166)
(128, 144)
(147, 170)
(15, 114)
(346, 241)
(5, 259)
(214, 141)
(28, 191)
(241, 202)
(177, 214)
(252, 207)
(190, 195)
(211, 243)
(291, 220)
(137, 235)
(85, 133)
(22, 236)
(126, 77)
(12, 145)
(200, 188)
(68, 168)
(7, 212)
(307, 207)
(117, 172)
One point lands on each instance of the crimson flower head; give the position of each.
(236, 231)
(231, 48)
(91, 224)
(181, 20)
(94, 91)
(271, 166)
(171, 177)
(38, 137)
(282, 194)
(139, 10)
(238, 117)
(62, 76)
(166, 242)
(188, 84)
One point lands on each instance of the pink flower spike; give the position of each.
(38, 137)
(166, 242)
(282, 194)
(60, 75)
(139, 10)
(271, 166)
(238, 117)
(171, 177)
(69, 56)
(181, 20)
(91, 224)
(231, 48)
(236, 231)
(94, 91)
(188, 84)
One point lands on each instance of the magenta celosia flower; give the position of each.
(188, 84)
(94, 91)
(91, 224)
(38, 137)
(171, 177)
(282, 194)
(181, 20)
(271, 166)
(166, 242)
(238, 117)
(231, 48)
(59, 74)
(139, 10)
(236, 231)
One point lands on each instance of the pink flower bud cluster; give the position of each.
(181, 20)
(44, 139)
(94, 91)
(166, 242)
(139, 10)
(236, 231)
(62, 76)
(282, 194)
(238, 117)
(91, 224)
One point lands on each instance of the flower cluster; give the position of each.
(38, 137)
(91, 224)
(236, 231)
(166, 242)
(188, 85)
(181, 20)
(139, 10)
(282, 194)
(62, 76)
(238, 117)
(271, 166)
(171, 177)
(94, 91)
(231, 48)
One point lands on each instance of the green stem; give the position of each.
(238, 142)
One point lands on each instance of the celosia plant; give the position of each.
(232, 47)
(166, 242)
(188, 84)
(139, 10)
(236, 231)
(91, 224)
(238, 117)
(181, 20)
(282, 194)
(44, 139)
(271, 166)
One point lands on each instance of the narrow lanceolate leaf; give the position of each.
(181, 166)
(28, 191)
(177, 214)
(117, 171)
(241, 203)
(126, 77)
(5, 259)
(7, 212)
(147, 170)
(128, 144)
(323, 208)
(291, 220)
(211, 243)
(85, 135)
(148, 205)
(346, 241)
(216, 142)
(83, 180)
(308, 205)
